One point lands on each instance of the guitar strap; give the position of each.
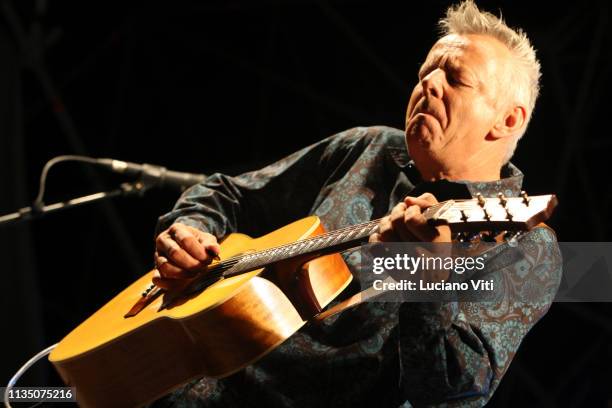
(370, 293)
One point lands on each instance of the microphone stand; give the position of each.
(28, 213)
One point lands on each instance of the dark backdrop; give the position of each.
(232, 85)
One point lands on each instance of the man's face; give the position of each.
(458, 99)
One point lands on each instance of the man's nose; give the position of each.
(433, 83)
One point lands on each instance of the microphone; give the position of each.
(158, 175)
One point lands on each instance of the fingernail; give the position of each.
(212, 253)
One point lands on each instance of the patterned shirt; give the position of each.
(376, 354)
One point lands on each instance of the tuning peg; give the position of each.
(525, 197)
(502, 199)
(481, 200)
(486, 214)
(464, 216)
(509, 215)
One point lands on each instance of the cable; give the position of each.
(22, 370)
(38, 202)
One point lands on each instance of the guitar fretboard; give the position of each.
(321, 244)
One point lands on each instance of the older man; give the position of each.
(472, 102)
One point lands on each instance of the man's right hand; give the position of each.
(181, 252)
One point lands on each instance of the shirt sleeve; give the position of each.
(458, 352)
(260, 201)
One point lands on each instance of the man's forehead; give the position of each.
(452, 42)
(478, 45)
(480, 50)
(449, 47)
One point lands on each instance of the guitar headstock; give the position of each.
(493, 213)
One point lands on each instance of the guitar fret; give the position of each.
(308, 245)
(328, 240)
(334, 240)
(359, 231)
(269, 255)
(365, 231)
(318, 243)
(279, 254)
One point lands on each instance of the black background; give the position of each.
(233, 85)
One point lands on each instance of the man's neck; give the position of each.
(467, 172)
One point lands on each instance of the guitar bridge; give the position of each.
(148, 296)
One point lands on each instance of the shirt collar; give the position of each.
(509, 184)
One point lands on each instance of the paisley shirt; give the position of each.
(376, 354)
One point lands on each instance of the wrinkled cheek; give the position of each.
(414, 97)
(423, 131)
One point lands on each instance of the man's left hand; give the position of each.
(407, 223)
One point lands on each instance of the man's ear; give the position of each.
(510, 123)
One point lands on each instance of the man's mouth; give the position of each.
(426, 114)
(428, 111)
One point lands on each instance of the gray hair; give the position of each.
(466, 18)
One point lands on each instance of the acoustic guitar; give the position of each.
(145, 342)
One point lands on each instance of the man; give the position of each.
(472, 102)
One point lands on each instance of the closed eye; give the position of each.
(454, 79)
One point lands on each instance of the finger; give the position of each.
(397, 217)
(168, 284)
(397, 212)
(417, 224)
(188, 241)
(425, 200)
(209, 242)
(385, 230)
(213, 250)
(374, 238)
(170, 271)
(159, 259)
(168, 247)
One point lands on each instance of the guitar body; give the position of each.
(120, 361)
